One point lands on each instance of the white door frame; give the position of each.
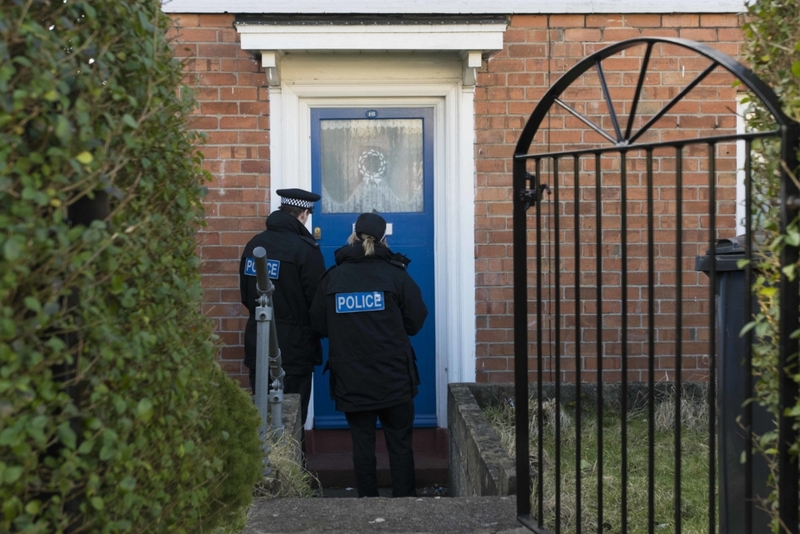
(454, 195)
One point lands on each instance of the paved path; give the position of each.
(418, 515)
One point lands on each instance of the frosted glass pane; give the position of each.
(371, 165)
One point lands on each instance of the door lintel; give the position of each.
(472, 38)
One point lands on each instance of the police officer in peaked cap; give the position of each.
(295, 266)
(368, 306)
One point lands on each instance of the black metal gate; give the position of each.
(623, 335)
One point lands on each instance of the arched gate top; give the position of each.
(628, 137)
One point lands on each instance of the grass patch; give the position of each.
(694, 465)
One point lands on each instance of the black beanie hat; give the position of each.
(371, 224)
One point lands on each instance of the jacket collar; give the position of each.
(279, 221)
(355, 253)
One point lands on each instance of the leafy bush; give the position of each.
(112, 409)
(772, 47)
(234, 412)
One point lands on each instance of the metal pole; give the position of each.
(269, 395)
(276, 386)
(789, 303)
(263, 318)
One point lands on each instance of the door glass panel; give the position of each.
(371, 165)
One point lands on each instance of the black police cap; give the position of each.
(298, 197)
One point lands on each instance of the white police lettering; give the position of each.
(368, 301)
(273, 268)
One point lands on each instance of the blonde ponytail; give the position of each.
(369, 245)
(367, 241)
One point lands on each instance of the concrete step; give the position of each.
(329, 457)
(478, 515)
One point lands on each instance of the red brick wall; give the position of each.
(538, 50)
(234, 112)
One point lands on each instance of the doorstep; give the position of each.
(329, 457)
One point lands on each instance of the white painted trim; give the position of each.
(454, 236)
(485, 37)
(463, 7)
(741, 109)
(464, 250)
(276, 145)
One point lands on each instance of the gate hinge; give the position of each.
(532, 196)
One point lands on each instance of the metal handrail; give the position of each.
(268, 360)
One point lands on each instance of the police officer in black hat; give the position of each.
(368, 306)
(295, 266)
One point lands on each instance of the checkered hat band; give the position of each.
(306, 204)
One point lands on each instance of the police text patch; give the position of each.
(359, 302)
(273, 268)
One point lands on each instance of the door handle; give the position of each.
(317, 233)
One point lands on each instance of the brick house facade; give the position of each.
(232, 88)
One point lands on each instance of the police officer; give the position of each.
(368, 306)
(295, 265)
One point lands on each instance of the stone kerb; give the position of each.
(479, 466)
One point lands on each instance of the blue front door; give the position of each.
(378, 159)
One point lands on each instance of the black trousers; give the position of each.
(397, 422)
(292, 384)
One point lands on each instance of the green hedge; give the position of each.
(772, 48)
(149, 436)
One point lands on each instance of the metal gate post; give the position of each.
(789, 323)
(521, 342)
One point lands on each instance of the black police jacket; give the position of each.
(296, 265)
(368, 306)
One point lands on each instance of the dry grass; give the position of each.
(694, 466)
(288, 477)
